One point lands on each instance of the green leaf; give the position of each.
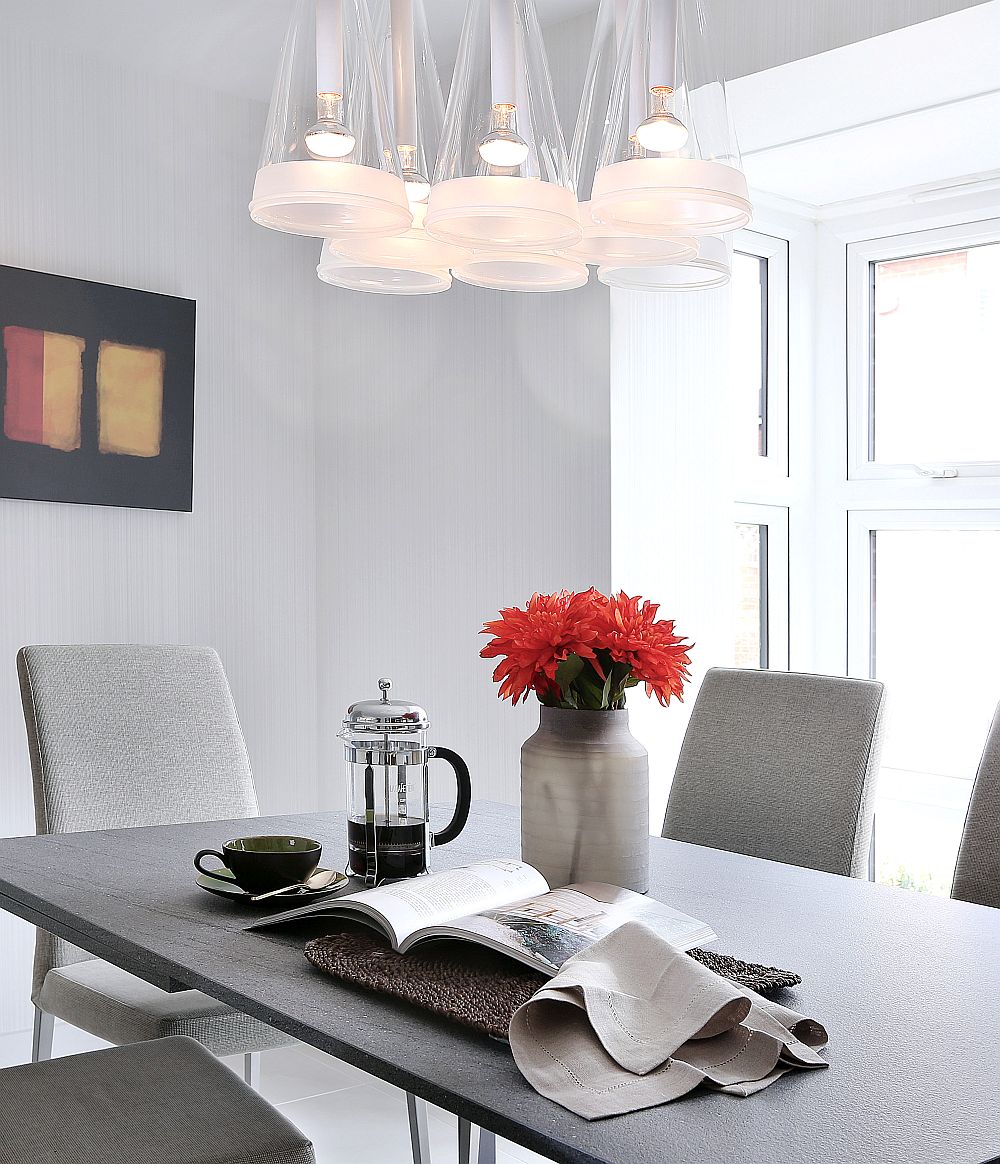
(591, 691)
(567, 672)
(606, 696)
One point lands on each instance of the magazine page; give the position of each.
(405, 907)
(545, 930)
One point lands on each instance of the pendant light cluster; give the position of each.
(360, 151)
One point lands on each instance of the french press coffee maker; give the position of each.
(388, 831)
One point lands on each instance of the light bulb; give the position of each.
(329, 137)
(503, 146)
(661, 132)
(417, 187)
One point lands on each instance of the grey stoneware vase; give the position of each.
(585, 799)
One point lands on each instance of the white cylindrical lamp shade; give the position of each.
(358, 275)
(328, 166)
(328, 199)
(602, 244)
(414, 249)
(503, 212)
(521, 271)
(710, 268)
(685, 196)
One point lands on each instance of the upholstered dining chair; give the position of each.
(780, 765)
(121, 736)
(977, 872)
(162, 1102)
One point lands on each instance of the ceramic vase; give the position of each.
(585, 799)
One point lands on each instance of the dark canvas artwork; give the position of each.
(96, 393)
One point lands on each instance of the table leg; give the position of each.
(416, 1110)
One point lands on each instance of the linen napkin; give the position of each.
(634, 1022)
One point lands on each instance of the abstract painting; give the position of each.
(96, 393)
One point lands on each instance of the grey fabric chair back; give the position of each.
(780, 765)
(121, 736)
(977, 874)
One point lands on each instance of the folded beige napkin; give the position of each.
(634, 1022)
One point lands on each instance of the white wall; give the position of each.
(111, 178)
(462, 463)
(671, 488)
(373, 477)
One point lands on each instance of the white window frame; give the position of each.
(775, 517)
(860, 256)
(755, 469)
(861, 524)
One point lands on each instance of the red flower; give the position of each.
(534, 641)
(629, 630)
(617, 642)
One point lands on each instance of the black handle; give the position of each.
(459, 820)
(217, 874)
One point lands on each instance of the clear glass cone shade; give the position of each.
(521, 271)
(413, 89)
(710, 268)
(501, 107)
(414, 249)
(328, 91)
(361, 275)
(665, 90)
(607, 244)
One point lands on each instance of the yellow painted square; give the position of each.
(130, 399)
(63, 386)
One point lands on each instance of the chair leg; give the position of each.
(416, 1110)
(464, 1141)
(41, 1036)
(871, 854)
(251, 1069)
(487, 1147)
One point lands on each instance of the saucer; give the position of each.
(233, 891)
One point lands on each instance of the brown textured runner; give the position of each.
(474, 985)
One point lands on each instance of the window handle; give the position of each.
(935, 472)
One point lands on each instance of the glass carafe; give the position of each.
(386, 753)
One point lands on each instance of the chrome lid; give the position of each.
(384, 715)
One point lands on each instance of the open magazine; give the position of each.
(506, 905)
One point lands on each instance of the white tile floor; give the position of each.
(348, 1115)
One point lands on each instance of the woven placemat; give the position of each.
(471, 984)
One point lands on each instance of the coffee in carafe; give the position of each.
(388, 830)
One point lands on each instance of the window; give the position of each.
(760, 586)
(924, 620)
(924, 391)
(759, 395)
(749, 339)
(751, 646)
(935, 375)
(759, 351)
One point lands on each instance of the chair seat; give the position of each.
(118, 1007)
(165, 1102)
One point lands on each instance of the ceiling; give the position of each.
(914, 108)
(909, 107)
(232, 45)
(227, 45)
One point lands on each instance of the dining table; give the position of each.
(907, 985)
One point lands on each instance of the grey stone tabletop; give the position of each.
(908, 986)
